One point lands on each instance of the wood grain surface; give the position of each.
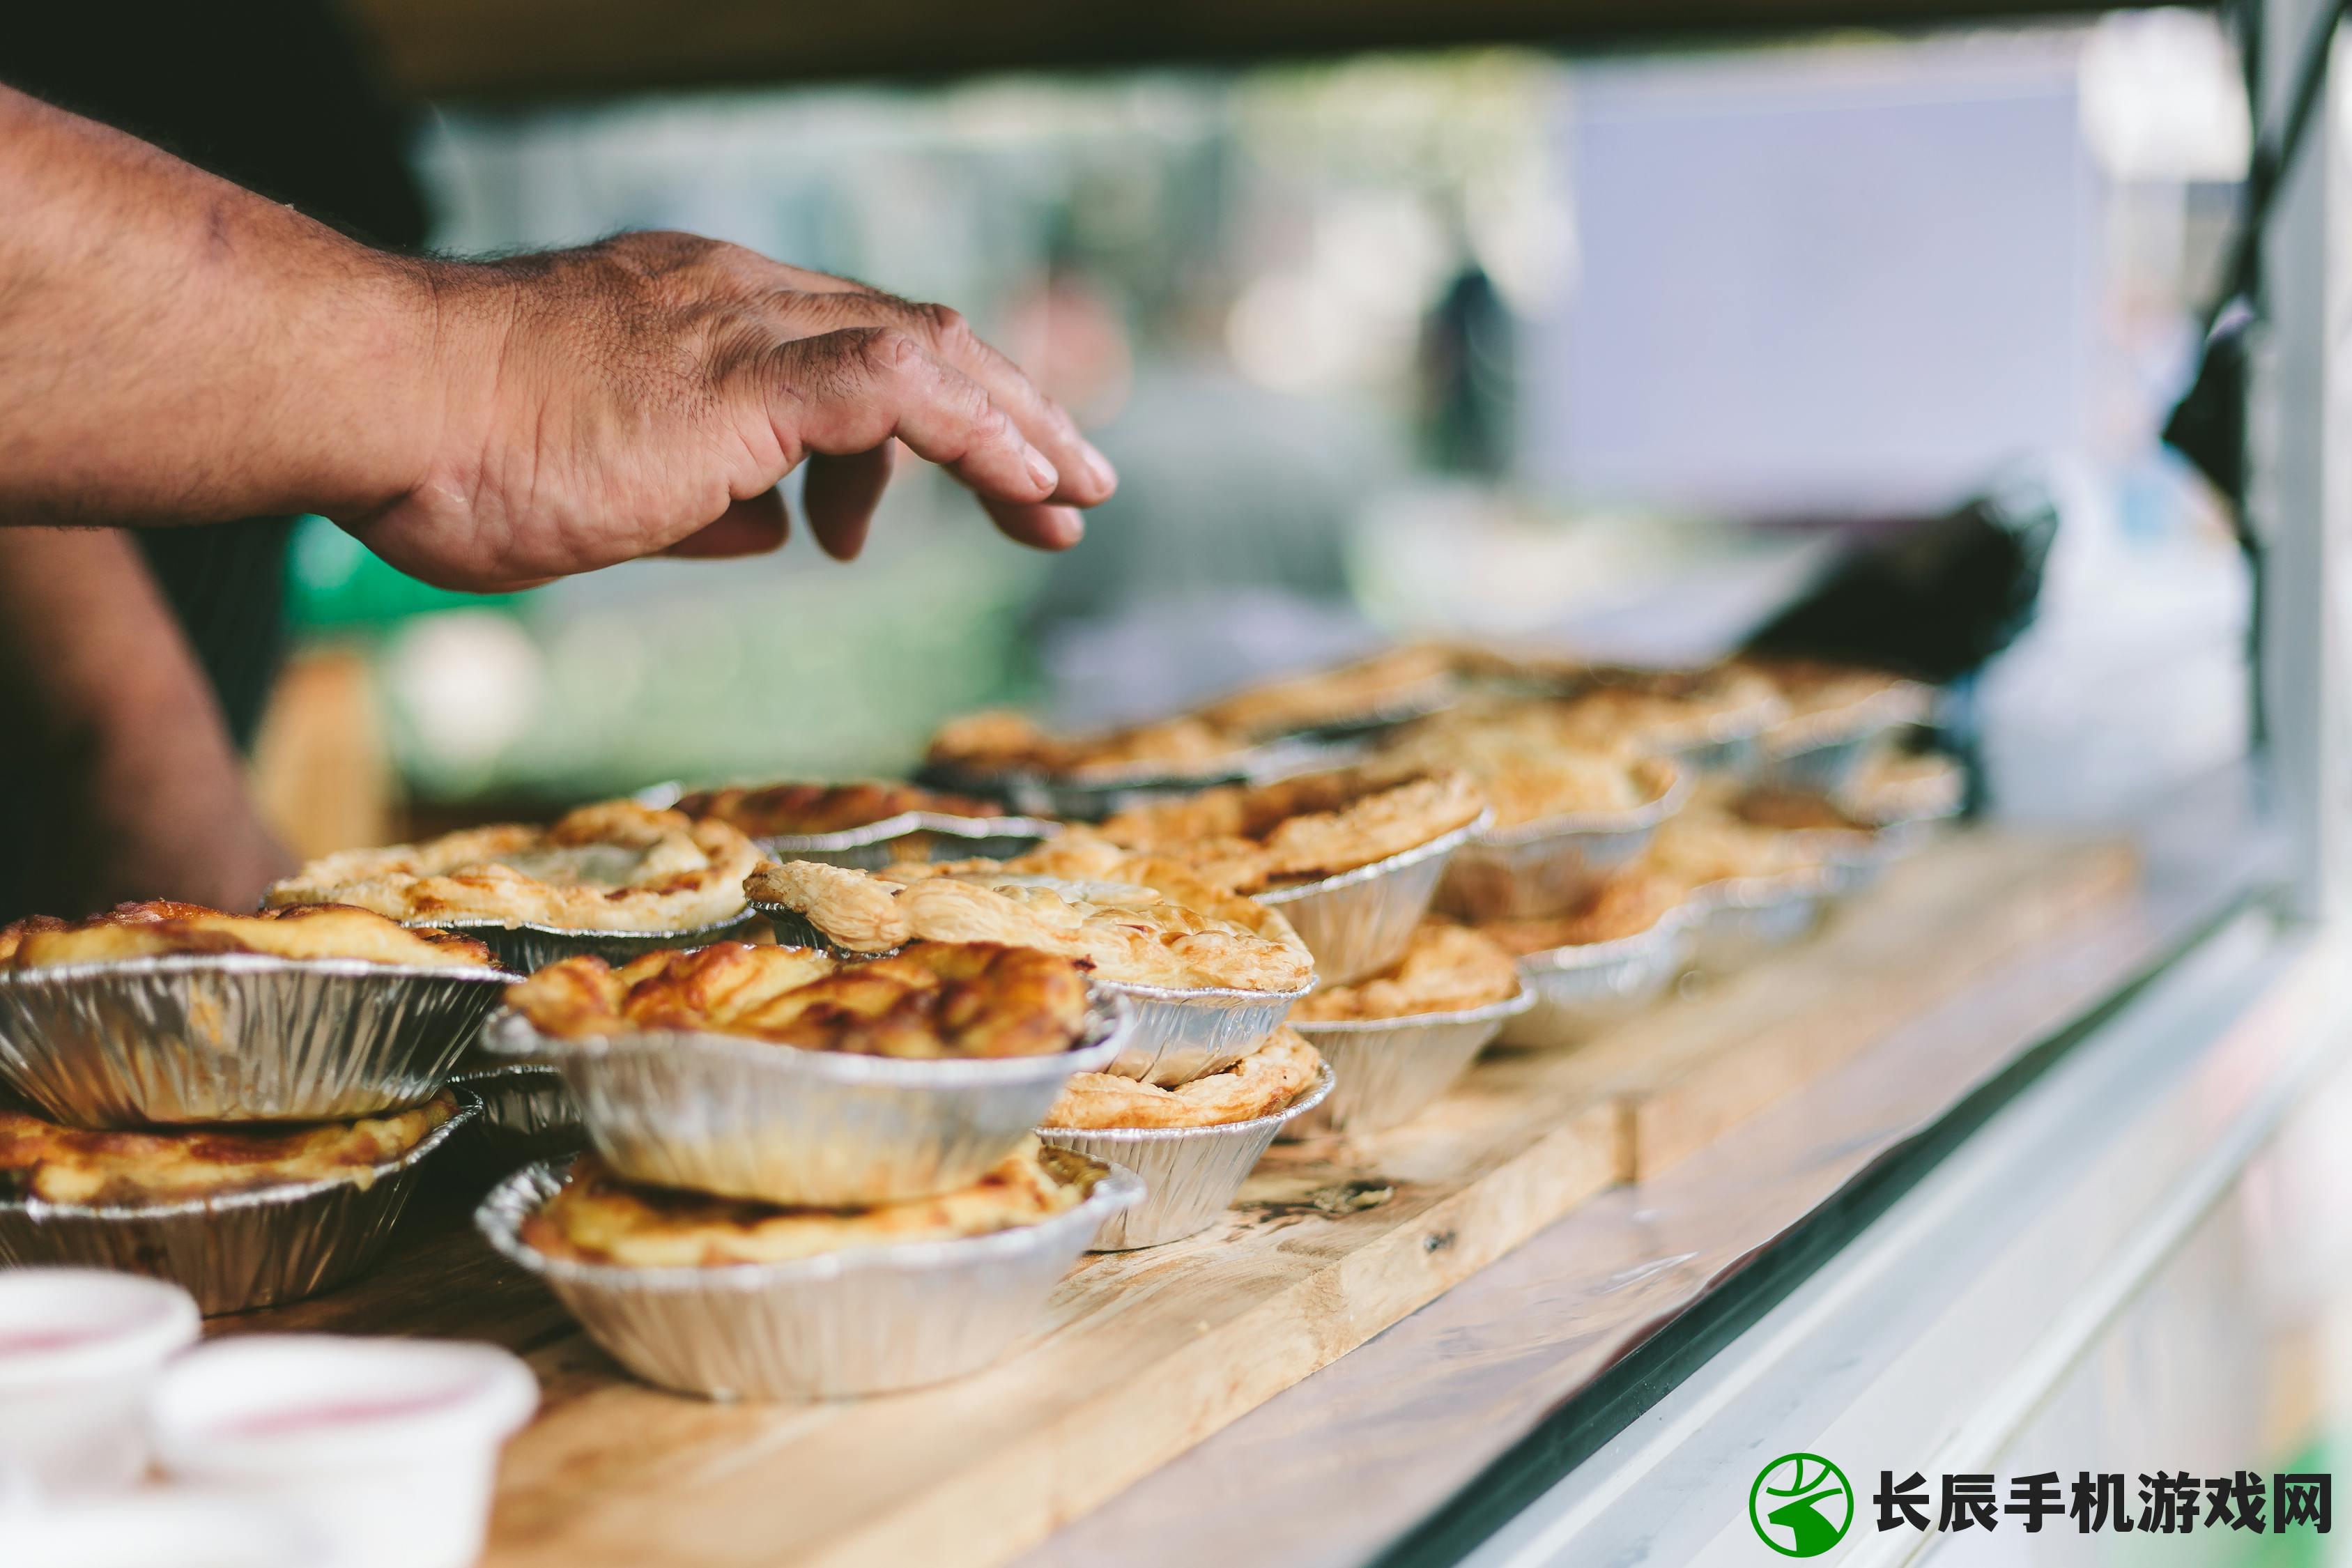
(1141, 1355)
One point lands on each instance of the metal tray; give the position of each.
(1582, 990)
(751, 1118)
(526, 949)
(831, 1327)
(234, 1037)
(1190, 1174)
(240, 1250)
(1390, 1070)
(1543, 867)
(1360, 921)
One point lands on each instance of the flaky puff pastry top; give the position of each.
(934, 1000)
(58, 1164)
(596, 1218)
(159, 927)
(1260, 1084)
(615, 865)
(1143, 923)
(1445, 968)
(1249, 839)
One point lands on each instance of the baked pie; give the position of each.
(1260, 1084)
(56, 1164)
(804, 810)
(1000, 741)
(596, 1218)
(1153, 923)
(160, 926)
(1400, 680)
(1445, 968)
(934, 1000)
(1628, 903)
(1710, 840)
(1247, 838)
(1533, 759)
(613, 867)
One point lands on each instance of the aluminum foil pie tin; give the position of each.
(240, 1250)
(234, 1037)
(1389, 1070)
(526, 949)
(1736, 923)
(526, 1104)
(1360, 921)
(914, 834)
(1190, 1174)
(835, 1326)
(1093, 793)
(1581, 990)
(1544, 867)
(751, 1118)
(1181, 1033)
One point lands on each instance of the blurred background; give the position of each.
(1601, 351)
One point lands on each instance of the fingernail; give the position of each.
(1098, 468)
(1074, 528)
(1040, 470)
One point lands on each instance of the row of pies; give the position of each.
(1052, 967)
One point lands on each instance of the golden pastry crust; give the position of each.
(1533, 759)
(1629, 903)
(615, 865)
(1248, 838)
(1150, 922)
(804, 810)
(999, 742)
(57, 1165)
(1417, 675)
(934, 1000)
(1445, 968)
(1663, 710)
(160, 926)
(1260, 1084)
(596, 1218)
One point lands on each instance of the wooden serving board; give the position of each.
(1142, 1355)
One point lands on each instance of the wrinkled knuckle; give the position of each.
(891, 352)
(947, 325)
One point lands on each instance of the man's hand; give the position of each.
(647, 393)
(175, 350)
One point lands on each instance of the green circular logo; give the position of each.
(1800, 1506)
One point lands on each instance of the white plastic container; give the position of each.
(166, 1528)
(80, 1351)
(386, 1447)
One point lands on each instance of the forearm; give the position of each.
(134, 789)
(174, 349)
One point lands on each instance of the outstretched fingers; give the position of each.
(848, 392)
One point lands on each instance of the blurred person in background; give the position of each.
(175, 350)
